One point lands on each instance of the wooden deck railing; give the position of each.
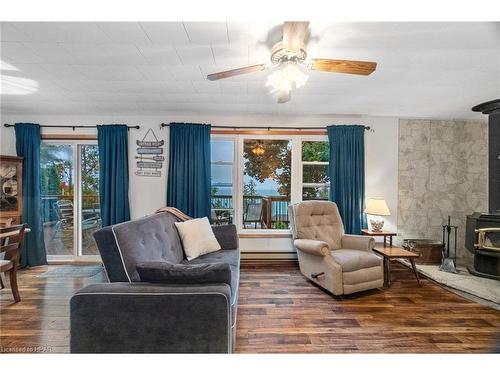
(274, 208)
(89, 202)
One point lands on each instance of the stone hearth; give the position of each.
(441, 172)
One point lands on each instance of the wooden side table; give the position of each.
(390, 253)
(368, 232)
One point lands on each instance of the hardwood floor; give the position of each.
(281, 312)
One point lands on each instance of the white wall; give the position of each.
(149, 193)
(381, 164)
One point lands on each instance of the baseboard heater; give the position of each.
(268, 255)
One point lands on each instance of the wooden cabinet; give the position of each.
(11, 189)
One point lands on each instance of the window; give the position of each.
(315, 180)
(222, 181)
(267, 170)
(253, 186)
(70, 197)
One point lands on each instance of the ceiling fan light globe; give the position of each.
(287, 78)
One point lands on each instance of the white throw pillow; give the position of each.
(197, 237)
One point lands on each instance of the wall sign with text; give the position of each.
(149, 158)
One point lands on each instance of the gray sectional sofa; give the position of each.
(183, 307)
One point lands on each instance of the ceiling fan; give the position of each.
(288, 58)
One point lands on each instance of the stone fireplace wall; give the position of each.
(443, 169)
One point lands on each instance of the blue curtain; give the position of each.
(347, 174)
(113, 173)
(189, 169)
(28, 146)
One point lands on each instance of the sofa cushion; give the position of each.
(353, 260)
(363, 276)
(197, 237)
(231, 257)
(149, 239)
(226, 235)
(168, 273)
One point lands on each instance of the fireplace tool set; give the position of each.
(448, 264)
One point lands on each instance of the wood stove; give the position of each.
(482, 236)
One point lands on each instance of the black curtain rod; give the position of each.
(269, 127)
(72, 126)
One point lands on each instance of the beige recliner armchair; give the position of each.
(340, 263)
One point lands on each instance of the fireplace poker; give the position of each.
(448, 264)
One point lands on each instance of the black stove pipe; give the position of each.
(492, 109)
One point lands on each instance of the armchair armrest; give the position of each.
(151, 318)
(312, 246)
(226, 235)
(170, 273)
(356, 242)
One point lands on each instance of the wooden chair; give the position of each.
(6, 222)
(11, 239)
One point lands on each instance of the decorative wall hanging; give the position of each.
(150, 158)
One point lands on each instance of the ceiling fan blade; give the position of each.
(236, 72)
(344, 66)
(284, 97)
(294, 35)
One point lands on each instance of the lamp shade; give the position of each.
(377, 206)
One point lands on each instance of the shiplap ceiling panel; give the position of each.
(207, 32)
(195, 54)
(158, 54)
(89, 53)
(83, 86)
(125, 32)
(207, 87)
(63, 71)
(10, 33)
(250, 33)
(181, 87)
(34, 70)
(15, 52)
(50, 52)
(155, 87)
(110, 73)
(155, 72)
(424, 69)
(233, 87)
(168, 33)
(124, 54)
(426, 35)
(186, 72)
(54, 32)
(234, 55)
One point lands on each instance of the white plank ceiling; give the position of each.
(434, 70)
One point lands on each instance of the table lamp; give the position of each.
(378, 208)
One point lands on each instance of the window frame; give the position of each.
(237, 178)
(240, 165)
(77, 253)
(302, 163)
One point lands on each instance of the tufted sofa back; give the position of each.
(152, 238)
(317, 220)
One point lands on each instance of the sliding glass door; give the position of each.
(70, 198)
